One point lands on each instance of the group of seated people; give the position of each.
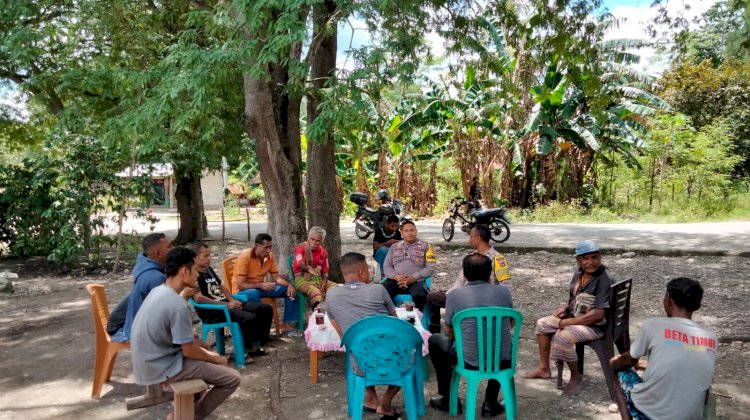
(156, 317)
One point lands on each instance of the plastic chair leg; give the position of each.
(410, 397)
(357, 398)
(111, 356)
(99, 372)
(302, 302)
(605, 353)
(471, 398)
(239, 345)
(508, 385)
(275, 308)
(420, 374)
(560, 367)
(453, 398)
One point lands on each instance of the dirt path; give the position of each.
(46, 343)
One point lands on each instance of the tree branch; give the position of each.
(319, 37)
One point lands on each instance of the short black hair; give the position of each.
(685, 293)
(477, 267)
(392, 219)
(408, 222)
(483, 231)
(197, 246)
(177, 258)
(350, 259)
(261, 237)
(151, 240)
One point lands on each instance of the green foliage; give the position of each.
(714, 95)
(54, 204)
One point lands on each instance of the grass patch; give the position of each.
(734, 208)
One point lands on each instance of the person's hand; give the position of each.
(222, 360)
(234, 304)
(291, 292)
(409, 279)
(267, 286)
(560, 312)
(323, 285)
(563, 323)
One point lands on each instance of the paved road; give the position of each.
(724, 238)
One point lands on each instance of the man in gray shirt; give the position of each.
(355, 300)
(478, 292)
(681, 356)
(162, 343)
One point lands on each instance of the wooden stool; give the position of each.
(154, 395)
(184, 397)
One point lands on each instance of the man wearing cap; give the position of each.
(582, 319)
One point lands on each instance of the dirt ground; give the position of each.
(47, 343)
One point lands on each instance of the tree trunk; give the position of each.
(322, 206)
(272, 120)
(189, 198)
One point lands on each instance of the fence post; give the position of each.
(222, 224)
(247, 215)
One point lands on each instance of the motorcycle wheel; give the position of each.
(448, 229)
(361, 232)
(499, 230)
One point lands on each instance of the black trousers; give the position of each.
(417, 290)
(435, 301)
(443, 356)
(254, 319)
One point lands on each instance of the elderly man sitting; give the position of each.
(310, 266)
(582, 319)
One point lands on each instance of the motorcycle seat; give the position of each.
(486, 212)
(369, 210)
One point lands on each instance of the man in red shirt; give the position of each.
(310, 266)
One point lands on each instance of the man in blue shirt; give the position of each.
(148, 273)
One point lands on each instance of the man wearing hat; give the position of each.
(581, 319)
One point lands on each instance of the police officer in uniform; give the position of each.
(407, 265)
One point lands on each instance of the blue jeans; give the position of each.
(291, 312)
(380, 255)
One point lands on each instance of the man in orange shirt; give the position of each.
(250, 272)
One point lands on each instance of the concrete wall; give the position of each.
(212, 185)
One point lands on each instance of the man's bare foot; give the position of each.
(170, 416)
(574, 386)
(538, 373)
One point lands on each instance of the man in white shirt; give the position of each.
(681, 357)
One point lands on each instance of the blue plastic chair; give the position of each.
(301, 298)
(489, 336)
(405, 297)
(218, 329)
(388, 351)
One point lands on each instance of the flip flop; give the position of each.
(395, 416)
(369, 410)
(292, 333)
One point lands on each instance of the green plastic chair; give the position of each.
(301, 298)
(489, 336)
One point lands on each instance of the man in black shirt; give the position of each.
(254, 318)
(385, 236)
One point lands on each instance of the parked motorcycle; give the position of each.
(496, 219)
(368, 219)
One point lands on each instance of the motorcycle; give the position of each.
(368, 219)
(496, 219)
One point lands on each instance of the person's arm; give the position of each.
(181, 329)
(291, 291)
(589, 318)
(388, 270)
(561, 312)
(336, 326)
(623, 361)
(459, 283)
(193, 350)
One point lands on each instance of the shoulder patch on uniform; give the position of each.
(429, 256)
